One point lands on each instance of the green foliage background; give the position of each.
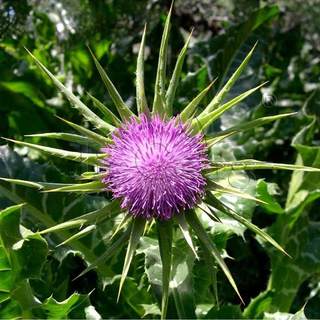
(38, 279)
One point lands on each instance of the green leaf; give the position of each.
(9, 225)
(124, 111)
(216, 187)
(159, 103)
(53, 309)
(88, 158)
(150, 309)
(295, 230)
(137, 229)
(212, 200)
(165, 244)
(258, 305)
(83, 109)
(67, 137)
(88, 187)
(181, 283)
(204, 238)
(266, 191)
(142, 104)
(250, 164)
(103, 141)
(304, 185)
(217, 137)
(202, 122)
(22, 255)
(285, 316)
(110, 116)
(190, 109)
(225, 90)
(170, 95)
(152, 264)
(65, 226)
(226, 311)
(82, 233)
(124, 221)
(91, 175)
(34, 184)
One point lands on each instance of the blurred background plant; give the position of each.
(287, 56)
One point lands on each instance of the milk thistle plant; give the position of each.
(155, 165)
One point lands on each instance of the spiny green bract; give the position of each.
(132, 228)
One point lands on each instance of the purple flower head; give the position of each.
(155, 167)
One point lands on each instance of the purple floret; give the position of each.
(155, 167)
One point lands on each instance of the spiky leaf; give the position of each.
(142, 105)
(250, 164)
(110, 116)
(159, 103)
(64, 226)
(223, 208)
(89, 187)
(78, 104)
(67, 137)
(190, 109)
(170, 95)
(119, 243)
(137, 229)
(226, 88)
(217, 137)
(82, 233)
(204, 238)
(88, 158)
(203, 122)
(185, 231)
(124, 111)
(102, 140)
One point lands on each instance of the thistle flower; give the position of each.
(155, 164)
